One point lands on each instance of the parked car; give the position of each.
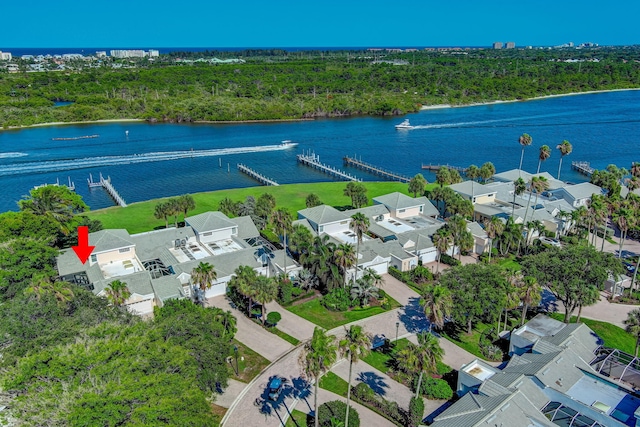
(549, 241)
(275, 387)
(378, 341)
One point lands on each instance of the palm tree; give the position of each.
(228, 207)
(317, 356)
(635, 169)
(300, 240)
(364, 289)
(539, 184)
(243, 280)
(633, 326)
(529, 292)
(162, 211)
(437, 303)
(472, 172)
(565, 149)
(281, 220)
(203, 275)
(42, 285)
(355, 345)
(525, 140)
(417, 184)
(266, 290)
(462, 238)
(226, 319)
(186, 203)
(493, 227)
(359, 224)
(545, 153)
(442, 240)
(344, 257)
(624, 219)
(487, 170)
(55, 202)
(519, 187)
(117, 293)
(429, 354)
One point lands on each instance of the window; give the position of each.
(401, 210)
(321, 229)
(123, 250)
(421, 208)
(234, 230)
(94, 258)
(208, 233)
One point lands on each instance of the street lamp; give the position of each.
(235, 350)
(397, 326)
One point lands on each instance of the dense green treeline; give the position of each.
(305, 88)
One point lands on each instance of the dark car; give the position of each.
(275, 387)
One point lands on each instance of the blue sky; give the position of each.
(287, 23)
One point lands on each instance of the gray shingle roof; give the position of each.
(466, 188)
(137, 283)
(583, 190)
(246, 227)
(209, 221)
(322, 214)
(108, 240)
(398, 200)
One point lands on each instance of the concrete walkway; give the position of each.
(230, 393)
(252, 335)
(291, 324)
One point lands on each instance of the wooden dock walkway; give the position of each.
(350, 161)
(583, 167)
(111, 191)
(312, 160)
(255, 175)
(436, 168)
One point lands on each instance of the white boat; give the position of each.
(404, 125)
(288, 143)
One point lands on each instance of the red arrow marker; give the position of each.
(83, 250)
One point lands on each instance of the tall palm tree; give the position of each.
(529, 292)
(354, 346)
(462, 238)
(360, 225)
(635, 169)
(624, 219)
(545, 153)
(519, 187)
(203, 275)
(633, 326)
(487, 170)
(162, 211)
(417, 184)
(316, 358)
(493, 227)
(243, 280)
(472, 172)
(266, 290)
(539, 184)
(186, 203)
(226, 319)
(300, 240)
(442, 240)
(437, 303)
(525, 140)
(117, 293)
(598, 213)
(281, 220)
(429, 354)
(345, 258)
(228, 207)
(565, 148)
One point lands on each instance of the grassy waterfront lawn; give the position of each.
(138, 217)
(316, 313)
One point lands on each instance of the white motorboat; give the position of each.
(404, 125)
(288, 143)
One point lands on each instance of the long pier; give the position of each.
(111, 191)
(349, 161)
(436, 168)
(313, 160)
(583, 167)
(255, 175)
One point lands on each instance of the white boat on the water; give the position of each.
(404, 125)
(288, 143)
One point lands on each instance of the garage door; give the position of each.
(381, 268)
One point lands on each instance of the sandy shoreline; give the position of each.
(474, 104)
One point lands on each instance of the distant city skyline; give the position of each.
(332, 23)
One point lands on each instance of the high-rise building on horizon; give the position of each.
(497, 45)
(510, 45)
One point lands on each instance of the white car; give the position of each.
(549, 241)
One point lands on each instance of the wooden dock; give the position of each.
(111, 191)
(255, 175)
(349, 161)
(435, 168)
(583, 167)
(312, 160)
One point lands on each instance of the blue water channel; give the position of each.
(147, 161)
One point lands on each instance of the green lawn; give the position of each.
(612, 335)
(509, 263)
(334, 384)
(297, 419)
(316, 313)
(248, 368)
(470, 342)
(283, 335)
(138, 217)
(379, 359)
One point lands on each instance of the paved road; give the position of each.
(291, 324)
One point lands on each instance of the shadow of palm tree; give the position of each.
(548, 302)
(301, 390)
(412, 316)
(296, 388)
(375, 381)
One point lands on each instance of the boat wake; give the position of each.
(488, 123)
(90, 162)
(12, 155)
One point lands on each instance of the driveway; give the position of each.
(252, 335)
(291, 324)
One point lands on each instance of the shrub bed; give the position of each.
(335, 409)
